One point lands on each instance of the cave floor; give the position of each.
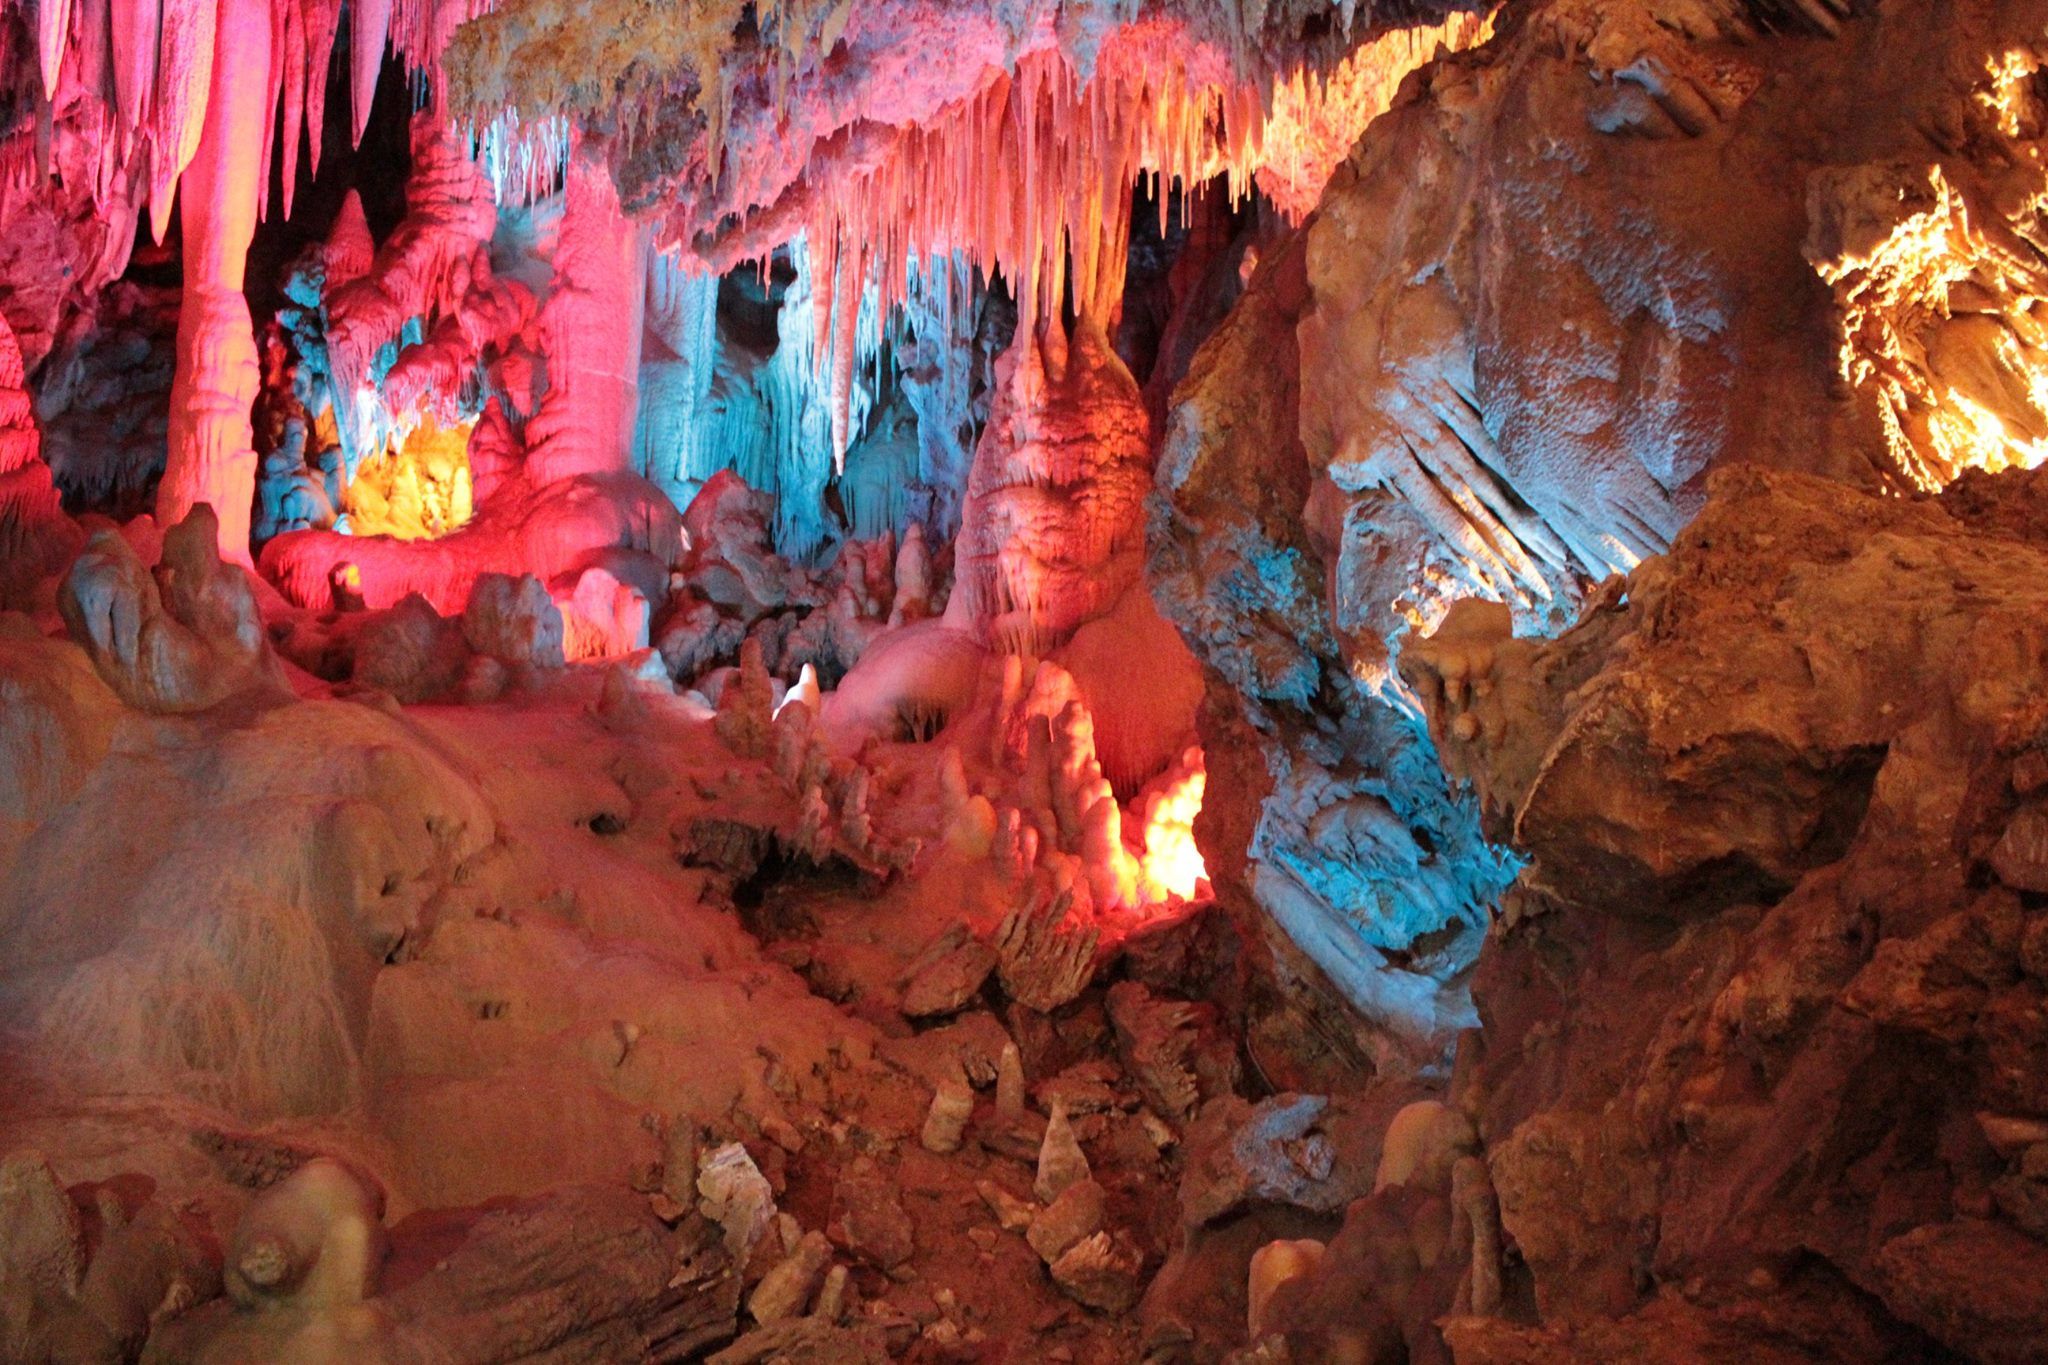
(628, 952)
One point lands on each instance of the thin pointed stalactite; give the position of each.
(370, 25)
(135, 25)
(184, 78)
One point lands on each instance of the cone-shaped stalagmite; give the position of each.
(1061, 1162)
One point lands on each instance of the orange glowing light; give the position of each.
(416, 488)
(1938, 322)
(1314, 120)
(1170, 865)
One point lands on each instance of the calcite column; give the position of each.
(211, 457)
(590, 325)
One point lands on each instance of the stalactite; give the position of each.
(1029, 175)
(370, 22)
(53, 18)
(292, 95)
(1031, 170)
(1316, 117)
(184, 78)
(791, 460)
(422, 272)
(846, 288)
(135, 27)
(676, 376)
(273, 89)
(936, 374)
(322, 20)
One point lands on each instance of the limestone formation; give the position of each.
(312, 1241)
(182, 638)
(1061, 1162)
(1074, 1213)
(786, 1291)
(952, 1105)
(1070, 681)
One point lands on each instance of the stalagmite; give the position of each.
(952, 1105)
(182, 644)
(35, 536)
(1061, 1162)
(1479, 1214)
(1010, 1083)
(311, 1241)
(1423, 1144)
(1273, 1265)
(834, 1296)
(803, 694)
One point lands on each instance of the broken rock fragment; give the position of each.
(1100, 1271)
(786, 1290)
(1076, 1213)
(947, 974)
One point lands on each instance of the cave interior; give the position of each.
(1081, 681)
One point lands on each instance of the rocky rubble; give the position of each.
(1761, 1015)
(583, 1019)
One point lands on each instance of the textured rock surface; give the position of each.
(423, 991)
(1564, 277)
(181, 637)
(1760, 1020)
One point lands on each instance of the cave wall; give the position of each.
(1568, 275)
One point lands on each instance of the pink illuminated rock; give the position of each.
(553, 502)
(425, 269)
(590, 327)
(513, 621)
(211, 458)
(35, 535)
(546, 532)
(189, 50)
(603, 618)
